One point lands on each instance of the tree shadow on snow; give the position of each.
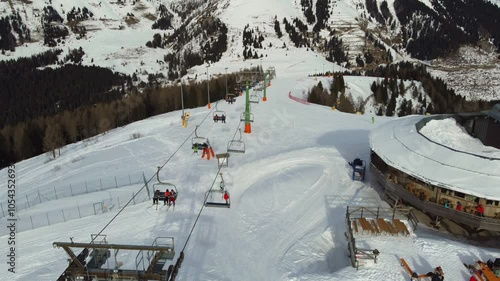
(337, 257)
(350, 143)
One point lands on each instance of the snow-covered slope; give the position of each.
(118, 31)
(289, 194)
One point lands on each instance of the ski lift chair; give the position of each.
(199, 142)
(230, 98)
(243, 117)
(254, 98)
(217, 112)
(236, 146)
(161, 186)
(214, 199)
(358, 169)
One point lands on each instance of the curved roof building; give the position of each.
(445, 165)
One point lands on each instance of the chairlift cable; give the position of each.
(201, 210)
(151, 178)
(206, 197)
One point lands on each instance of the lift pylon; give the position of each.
(248, 125)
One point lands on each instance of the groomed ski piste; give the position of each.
(289, 194)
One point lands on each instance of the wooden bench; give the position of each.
(383, 225)
(392, 228)
(401, 227)
(365, 225)
(387, 227)
(355, 226)
(375, 227)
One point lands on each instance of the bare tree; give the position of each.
(53, 139)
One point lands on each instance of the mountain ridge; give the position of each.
(115, 34)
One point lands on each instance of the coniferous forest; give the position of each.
(49, 108)
(443, 99)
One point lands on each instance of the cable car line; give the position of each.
(150, 179)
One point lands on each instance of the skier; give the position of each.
(226, 197)
(216, 118)
(167, 195)
(223, 118)
(156, 197)
(172, 198)
(437, 275)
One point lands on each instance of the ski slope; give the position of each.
(289, 194)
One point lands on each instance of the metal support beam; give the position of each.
(74, 258)
(114, 246)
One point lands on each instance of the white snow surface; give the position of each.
(289, 194)
(447, 132)
(400, 145)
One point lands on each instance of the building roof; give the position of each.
(401, 146)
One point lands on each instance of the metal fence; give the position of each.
(109, 204)
(54, 192)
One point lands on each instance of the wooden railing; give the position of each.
(400, 192)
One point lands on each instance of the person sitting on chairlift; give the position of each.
(216, 118)
(223, 118)
(156, 197)
(226, 197)
(171, 199)
(167, 194)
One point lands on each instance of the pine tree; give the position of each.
(401, 88)
(403, 108)
(380, 112)
(334, 89)
(341, 83)
(409, 108)
(429, 109)
(391, 107)
(346, 103)
(277, 28)
(4, 153)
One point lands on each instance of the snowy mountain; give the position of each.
(173, 37)
(289, 194)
